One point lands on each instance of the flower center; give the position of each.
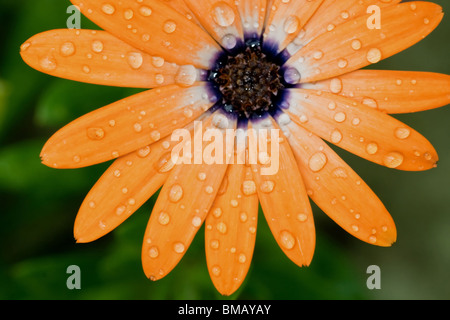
(249, 82)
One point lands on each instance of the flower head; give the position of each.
(246, 66)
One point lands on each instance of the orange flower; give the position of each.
(249, 64)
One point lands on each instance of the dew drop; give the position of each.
(48, 63)
(145, 11)
(242, 258)
(336, 136)
(214, 244)
(135, 60)
(97, 46)
(216, 271)
(302, 217)
(176, 193)
(67, 49)
(287, 240)
(291, 25)
(374, 55)
(372, 148)
(108, 9)
(318, 161)
(222, 227)
(95, 133)
(153, 252)
(197, 222)
(336, 85)
(356, 44)
(249, 187)
(292, 76)
(229, 41)
(393, 160)
(179, 247)
(164, 218)
(223, 14)
(144, 152)
(402, 133)
(169, 27)
(267, 186)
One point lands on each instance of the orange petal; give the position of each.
(361, 130)
(253, 16)
(231, 230)
(180, 210)
(153, 27)
(220, 18)
(125, 187)
(125, 126)
(96, 57)
(391, 91)
(282, 194)
(339, 191)
(331, 14)
(286, 20)
(352, 45)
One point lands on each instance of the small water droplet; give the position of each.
(248, 187)
(229, 41)
(356, 44)
(216, 271)
(336, 85)
(336, 136)
(108, 9)
(144, 152)
(135, 60)
(372, 148)
(287, 240)
(292, 76)
(222, 227)
(374, 55)
(153, 252)
(95, 133)
(393, 160)
(197, 222)
(176, 193)
(340, 117)
(67, 49)
(145, 11)
(318, 161)
(302, 217)
(48, 63)
(164, 218)
(169, 27)
(402, 133)
(242, 258)
(97, 46)
(267, 186)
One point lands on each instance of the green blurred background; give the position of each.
(39, 204)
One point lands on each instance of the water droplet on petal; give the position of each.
(292, 76)
(97, 46)
(249, 187)
(402, 133)
(169, 27)
(242, 258)
(179, 247)
(48, 63)
(164, 218)
(176, 193)
(108, 9)
(95, 133)
(222, 227)
(223, 14)
(318, 161)
(153, 252)
(135, 60)
(287, 240)
(291, 25)
(374, 55)
(67, 49)
(393, 160)
(372, 148)
(267, 186)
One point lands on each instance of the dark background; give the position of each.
(39, 205)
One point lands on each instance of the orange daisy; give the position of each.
(250, 64)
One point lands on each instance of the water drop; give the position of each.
(97, 46)
(135, 60)
(393, 160)
(267, 186)
(374, 55)
(95, 133)
(164, 219)
(249, 187)
(402, 133)
(186, 75)
(291, 25)
(318, 161)
(176, 193)
(153, 252)
(67, 49)
(108, 9)
(372, 148)
(223, 14)
(292, 76)
(287, 240)
(169, 27)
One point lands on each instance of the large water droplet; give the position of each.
(135, 60)
(223, 14)
(95, 133)
(318, 161)
(67, 49)
(287, 240)
(393, 160)
(179, 247)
